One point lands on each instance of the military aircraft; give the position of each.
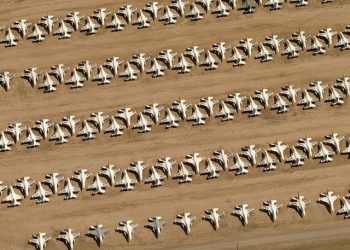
(32, 139)
(5, 79)
(324, 154)
(327, 34)
(129, 73)
(76, 81)
(171, 120)
(103, 77)
(328, 198)
(345, 209)
(290, 91)
(143, 125)
(155, 178)
(98, 186)
(69, 190)
(247, 45)
(166, 165)
(225, 112)
(41, 194)
(222, 157)
(70, 122)
(59, 71)
(271, 208)
(24, 184)
(195, 13)
(63, 32)
(295, 157)
(37, 35)
(183, 66)
(10, 39)
(211, 170)
(169, 17)
(97, 232)
(21, 26)
(264, 54)
(125, 114)
(278, 148)
(15, 129)
(291, 51)
(263, 95)
(137, 168)
(127, 228)
(240, 166)
(116, 24)
(127, 12)
(153, 8)
(334, 97)
(90, 27)
(68, 236)
(113, 64)
(267, 162)
(183, 174)
(250, 152)
(194, 160)
(156, 70)
(81, 176)
(197, 116)
(243, 212)
(142, 21)
(12, 198)
(98, 118)
(87, 131)
(48, 22)
(53, 180)
(334, 140)
(213, 216)
(185, 221)
(126, 182)
(39, 240)
(167, 56)
(100, 15)
(74, 19)
(60, 136)
(252, 108)
(5, 143)
(273, 42)
(109, 171)
(156, 225)
(115, 128)
(299, 203)
(181, 106)
(237, 58)
(236, 99)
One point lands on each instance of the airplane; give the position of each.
(21, 26)
(156, 69)
(125, 114)
(167, 56)
(300, 38)
(278, 148)
(70, 122)
(300, 3)
(137, 168)
(53, 180)
(195, 13)
(243, 212)
(179, 6)
(59, 72)
(343, 42)
(86, 68)
(183, 66)
(15, 129)
(41, 194)
(12, 198)
(69, 190)
(264, 54)
(100, 15)
(153, 8)
(98, 186)
(39, 240)
(347, 150)
(221, 9)
(271, 208)
(126, 182)
(240, 166)
(197, 116)
(2, 187)
(169, 17)
(194, 53)
(76, 81)
(222, 157)
(32, 139)
(299, 203)
(48, 85)
(81, 176)
(97, 232)
(306, 144)
(317, 47)
(273, 42)
(194, 160)
(208, 103)
(274, 4)
(153, 111)
(60, 136)
(280, 104)
(5, 79)
(328, 198)
(10, 39)
(324, 154)
(183, 174)
(250, 152)
(263, 96)
(43, 126)
(181, 106)
(210, 62)
(211, 170)
(185, 221)
(116, 24)
(247, 7)
(87, 131)
(64, 32)
(213, 216)
(68, 236)
(295, 157)
(290, 91)
(98, 118)
(253, 109)
(143, 125)
(48, 22)
(327, 34)
(90, 27)
(37, 35)
(220, 49)
(334, 97)
(236, 100)
(171, 120)
(127, 228)
(267, 162)
(334, 140)
(110, 173)
(237, 58)
(345, 209)
(129, 72)
(291, 51)
(127, 12)
(317, 88)
(155, 178)
(308, 102)
(5, 143)
(344, 85)
(142, 21)
(225, 112)
(115, 128)
(166, 165)
(206, 4)
(113, 64)
(156, 225)
(74, 19)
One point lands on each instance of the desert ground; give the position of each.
(22, 103)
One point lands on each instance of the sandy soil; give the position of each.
(25, 104)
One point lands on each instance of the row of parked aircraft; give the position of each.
(186, 220)
(156, 66)
(221, 160)
(126, 16)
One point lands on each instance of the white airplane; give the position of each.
(273, 42)
(278, 148)
(194, 53)
(195, 13)
(169, 17)
(345, 208)
(155, 178)
(334, 140)
(271, 208)
(247, 7)
(10, 39)
(240, 166)
(263, 96)
(211, 170)
(142, 21)
(2, 187)
(300, 38)
(252, 108)
(222, 157)
(197, 116)
(90, 27)
(53, 180)
(12, 198)
(98, 186)
(48, 22)
(48, 85)
(237, 58)
(221, 9)
(113, 64)
(183, 174)
(290, 91)
(69, 190)
(210, 62)
(116, 24)
(220, 49)
(129, 72)
(70, 122)
(153, 110)
(327, 34)
(225, 112)
(343, 42)
(167, 56)
(76, 81)
(250, 152)
(317, 47)
(100, 15)
(156, 225)
(317, 88)
(15, 129)
(179, 6)
(43, 126)
(127, 12)
(5, 79)
(110, 173)
(206, 4)
(86, 68)
(143, 125)
(213, 216)
(194, 160)
(166, 165)
(37, 35)
(32, 139)
(208, 103)
(21, 26)
(98, 118)
(74, 19)
(264, 54)
(324, 154)
(59, 71)
(87, 131)
(127, 228)
(334, 97)
(97, 232)
(115, 128)
(243, 212)
(274, 4)
(183, 66)
(181, 106)
(171, 120)
(300, 3)
(299, 203)
(137, 168)
(63, 32)
(185, 221)
(291, 51)
(280, 104)
(125, 114)
(41, 194)
(267, 162)
(344, 85)
(39, 240)
(308, 102)
(24, 184)
(236, 100)
(156, 70)
(81, 176)
(328, 198)
(295, 157)
(307, 145)
(5, 143)
(126, 182)
(153, 8)
(68, 236)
